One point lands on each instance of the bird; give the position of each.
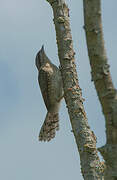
(51, 86)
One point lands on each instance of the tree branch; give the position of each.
(85, 138)
(103, 82)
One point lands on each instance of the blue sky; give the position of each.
(24, 27)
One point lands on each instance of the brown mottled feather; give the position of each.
(50, 82)
(43, 82)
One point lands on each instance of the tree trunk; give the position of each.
(85, 138)
(103, 83)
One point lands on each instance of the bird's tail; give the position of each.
(49, 127)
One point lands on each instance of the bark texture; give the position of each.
(85, 138)
(103, 83)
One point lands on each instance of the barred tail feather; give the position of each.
(49, 127)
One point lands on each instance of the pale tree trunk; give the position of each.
(103, 83)
(85, 138)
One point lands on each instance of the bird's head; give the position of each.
(41, 58)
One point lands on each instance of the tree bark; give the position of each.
(85, 138)
(103, 82)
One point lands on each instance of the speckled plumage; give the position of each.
(50, 82)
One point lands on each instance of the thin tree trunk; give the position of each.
(103, 83)
(85, 138)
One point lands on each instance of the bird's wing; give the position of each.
(43, 82)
